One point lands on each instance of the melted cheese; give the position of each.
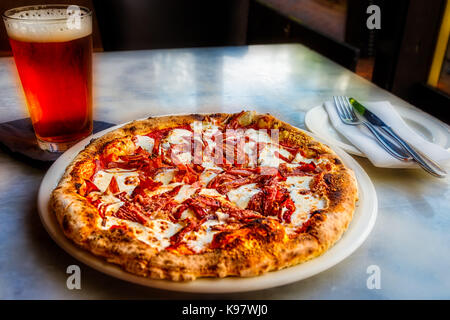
(185, 157)
(200, 240)
(145, 143)
(206, 176)
(186, 191)
(258, 135)
(210, 192)
(210, 130)
(182, 138)
(298, 182)
(250, 149)
(299, 158)
(209, 164)
(223, 217)
(304, 205)
(206, 134)
(126, 180)
(242, 195)
(205, 128)
(165, 176)
(157, 234)
(188, 213)
(268, 158)
(178, 136)
(109, 203)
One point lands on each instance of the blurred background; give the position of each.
(409, 55)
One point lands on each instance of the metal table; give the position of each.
(410, 242)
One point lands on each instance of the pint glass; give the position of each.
(52, 48)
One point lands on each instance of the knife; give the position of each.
(426, 163)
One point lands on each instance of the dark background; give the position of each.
(397, 57)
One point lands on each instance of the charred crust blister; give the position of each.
(66, 223)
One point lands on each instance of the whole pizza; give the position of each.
(216, 195)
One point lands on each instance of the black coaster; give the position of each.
(18, 137)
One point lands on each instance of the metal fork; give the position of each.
(348, 116)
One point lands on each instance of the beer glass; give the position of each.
(52, 48)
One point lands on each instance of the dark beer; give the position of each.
(55, 67)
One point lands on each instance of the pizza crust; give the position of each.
(79, 219)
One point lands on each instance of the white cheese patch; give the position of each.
(186, 191)
(164, 146)
(206, 133)
(200, 240)
(165, 176)
(298, 182)
(126, 180)
(258, 135)
(163, 230)
(207, 129)
(184, 157)
(188, 213)
(250, 149)
(113, 208)
(299, 158)
(145, 143)
(210, 130)
(210, 138)
(112, 221)
(304, 205)
(268, 158)
(321, 160)
(206, 176)
(109, 203)
(178, 136)
(210, 192)
(223, 217)
(157, 234)
(242, 195)
(182, 153)
(208, 163)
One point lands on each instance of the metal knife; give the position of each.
(426, 163)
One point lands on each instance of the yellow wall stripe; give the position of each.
(441, 47)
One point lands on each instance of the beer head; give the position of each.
(52, 23)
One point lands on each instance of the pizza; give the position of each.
(211, 195)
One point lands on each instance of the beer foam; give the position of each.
(48, 25)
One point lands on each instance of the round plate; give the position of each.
(318, 122)
(360, 227)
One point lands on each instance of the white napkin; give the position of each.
(363, 139)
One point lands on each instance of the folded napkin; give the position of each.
(363, 139)
(18, 137)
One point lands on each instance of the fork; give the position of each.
(349, 117)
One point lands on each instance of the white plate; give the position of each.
(360, 227)
(318, 122)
